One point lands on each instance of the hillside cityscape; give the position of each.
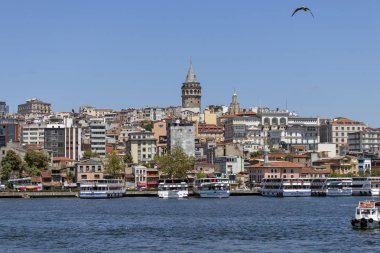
(228, 141)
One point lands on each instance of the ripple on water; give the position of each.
(244, 224)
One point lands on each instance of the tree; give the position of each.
(128, 158)
(200, 175)
(176, 164)
(256, 154)
(32, 171)
(87, 154)
(11, 165)
(36, 159)
(375, 173)
(114, 165)
(6, 171)
(147, 125)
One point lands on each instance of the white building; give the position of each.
(230, 165)
(33, 133)
(336, 131)
(98, 136)
(279, 127)
(365, 141)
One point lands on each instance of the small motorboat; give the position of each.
(366, 215)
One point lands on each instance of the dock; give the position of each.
(41, 194)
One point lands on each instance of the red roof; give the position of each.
(276, 164)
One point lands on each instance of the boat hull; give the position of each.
(286, 193)
(213, 194)
(338, 192)
(100, 195)
(365, 223)
(173, 194)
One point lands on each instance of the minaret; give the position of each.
(266, 150)
(234, 106)
(191, 91)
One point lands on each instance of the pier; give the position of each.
(41, 194)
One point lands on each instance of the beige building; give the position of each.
(160, 134)
(145, 177)
(210, 117)
(336, 131)
(34, 106)
(142, 146)
(340, 165)
(89, 170)
(210, 132)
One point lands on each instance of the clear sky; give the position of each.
(120, 54)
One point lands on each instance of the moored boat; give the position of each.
(171, 188)
(361, 186)
(212, 187)
(339, 187)
(277, 187)
(101, 189)
(366, 215)
(375, 186)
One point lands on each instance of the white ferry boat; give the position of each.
(318, 187)
(282, 187)
(361, 186)
(366, 215)
(339, 187)
(101, 188)
(212, 187)
(375, 185)
(173, 189)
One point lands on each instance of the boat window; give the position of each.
(365, 211)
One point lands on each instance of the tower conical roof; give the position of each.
(191, 77)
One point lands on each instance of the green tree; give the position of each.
(200, 175)
(11, 165)
(375, 173)
(127, 158)
(114, 165)
(36, 159)
(32, 171)
(6, 171)
(87, 154)
(175, 165)
(256, 154)
(147, 125)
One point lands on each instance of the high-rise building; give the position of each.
(336, 131)
(142, 146)
(98, 136)
(4, 108)
(366, 141)
(63, 140)
(33, 133)
(9, 131)
(191, 92)
(34, 106)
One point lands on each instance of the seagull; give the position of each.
(303, 8)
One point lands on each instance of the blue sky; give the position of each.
(120, 54)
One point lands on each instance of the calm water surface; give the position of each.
(237, 224)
